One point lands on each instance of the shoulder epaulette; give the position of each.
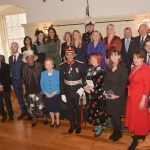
(62, 63)
(80, 61)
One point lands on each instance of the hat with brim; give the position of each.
(70, 50)
(28, 53)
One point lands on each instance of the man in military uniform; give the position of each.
(86, 37)
(72, 76)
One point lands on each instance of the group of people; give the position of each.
(89, 73)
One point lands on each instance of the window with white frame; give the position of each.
(15, 32)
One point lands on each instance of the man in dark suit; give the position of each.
(86, 37)
(127, 48)
(139, 40)
(5, 89)
(147, 48)
(16, 65)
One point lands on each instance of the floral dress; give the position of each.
(95, 102)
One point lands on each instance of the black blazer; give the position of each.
(20, 66)
(116, 81)
(137, 42)
(33, 47)
(5, 79)
(127, 56)
(145, 59)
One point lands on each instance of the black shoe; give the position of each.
(133, 145)
(52, 125)
(117, 136)
(112, 136)
(45, 122)
(57, 125)
(70, 131)
(97, 135)
(4, 119)
(29, 117)
(33, 124)
(78, 130)
(11, 118)
(20, 117)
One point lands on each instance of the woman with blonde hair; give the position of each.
(97, 46)
(77, 43)
(111, 41)
(68, 42)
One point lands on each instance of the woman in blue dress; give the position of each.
(50, 86)
(97, 46)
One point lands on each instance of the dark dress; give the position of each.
(33, 47)
(116, 81)
(95, 102)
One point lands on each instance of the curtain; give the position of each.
(3, 39)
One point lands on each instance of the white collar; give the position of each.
(128, 39)
(143, 37)
(16, 54)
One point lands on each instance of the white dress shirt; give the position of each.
(17, 55)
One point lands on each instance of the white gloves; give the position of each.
(63, 97)
(80, 91)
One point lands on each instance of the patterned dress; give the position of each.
(95, 101)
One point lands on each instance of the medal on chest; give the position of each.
(70, 70)
(77, 70)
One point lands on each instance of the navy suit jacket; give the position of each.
(127, 56)
(19, 68)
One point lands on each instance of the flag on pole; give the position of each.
(87, 9)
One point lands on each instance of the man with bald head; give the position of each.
(143, 36)
(16, 64)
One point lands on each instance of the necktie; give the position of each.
(14, 59)
(142, 42)
(148, 62)
(127, 44)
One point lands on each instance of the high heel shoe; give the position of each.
(52, 125)
(117, 136)
(112, 136)
(98, 131)
(134, 144)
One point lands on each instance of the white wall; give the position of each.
(30, 28)
(37, 11)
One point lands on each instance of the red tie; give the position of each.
(14, 59)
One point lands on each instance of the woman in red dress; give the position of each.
(137, 115)
(112, 41)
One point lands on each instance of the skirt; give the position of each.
(36, 105)
(53, 104)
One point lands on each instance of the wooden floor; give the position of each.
(19, 135)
